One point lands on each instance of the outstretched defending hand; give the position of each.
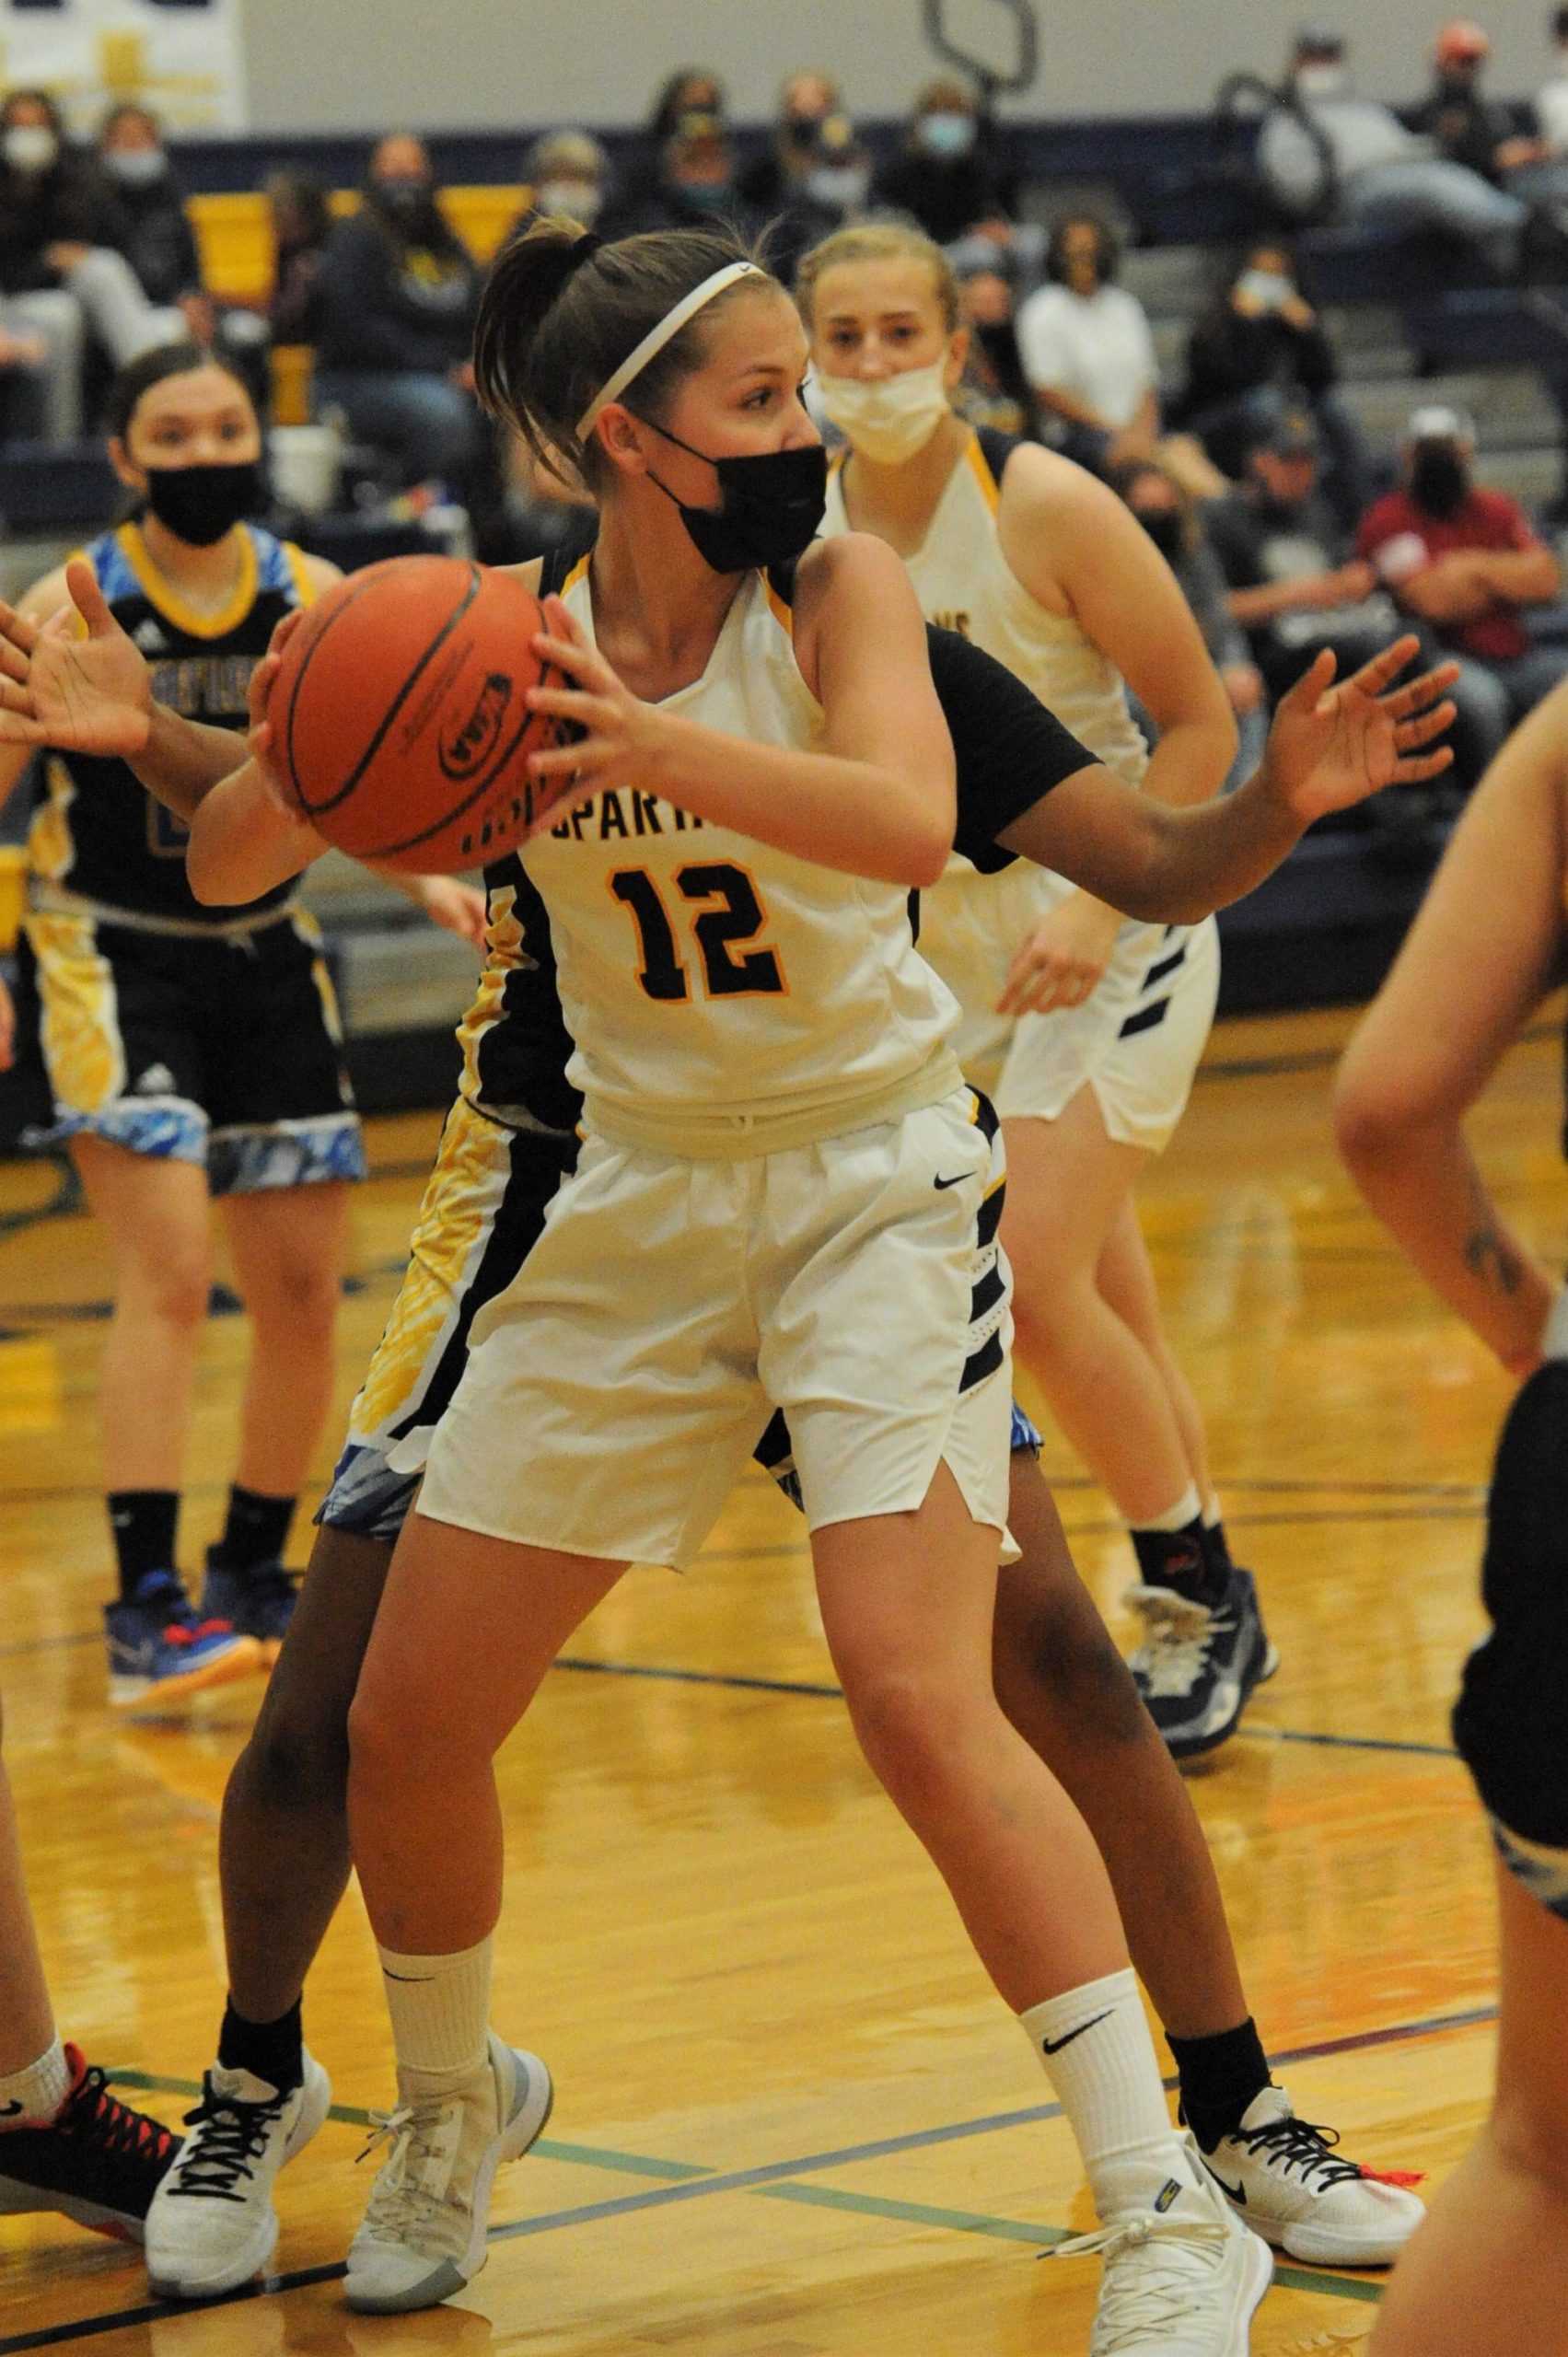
(81, 694)
(1332, 746)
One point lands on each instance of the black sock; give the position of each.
(144, 1523)
(1179, 1559)
(256, 1531)
(271, 2051)
(1221, 2077)
(1217, 1551)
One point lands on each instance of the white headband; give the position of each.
(656, 338)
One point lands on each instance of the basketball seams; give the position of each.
(458, 810)
(314, 810)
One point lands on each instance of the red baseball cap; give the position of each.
(1462, 38)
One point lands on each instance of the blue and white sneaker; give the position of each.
(161, 1648)
(1198, 1666)
(258, 1602)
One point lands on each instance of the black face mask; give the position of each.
(1440, 481)
(770, 510)
(200, 503)
(407, 202)
(1169, 533)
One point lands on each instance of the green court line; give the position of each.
(588, 2156)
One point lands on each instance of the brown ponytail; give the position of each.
(561, 311)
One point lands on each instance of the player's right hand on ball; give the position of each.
(75, 681)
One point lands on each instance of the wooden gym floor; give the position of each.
(792, 2120)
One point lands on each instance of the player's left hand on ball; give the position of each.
(1063, 961)
(1332, 746)
(619, 733)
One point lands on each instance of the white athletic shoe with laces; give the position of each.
(423, 2233)
(1284, 2177)
(1182, 2280)
(211, 2225)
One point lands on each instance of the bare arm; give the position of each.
(1329, 747)
(1482, 953)
(877, 801)
(1519, 577)
(1311, 593)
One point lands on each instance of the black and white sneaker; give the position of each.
(1287, 2180)
(96, 2161)
(211, 2225)
(1199, 1664)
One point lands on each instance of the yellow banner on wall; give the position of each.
(182, 58)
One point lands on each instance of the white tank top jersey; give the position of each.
(964, 582)
(725, 998)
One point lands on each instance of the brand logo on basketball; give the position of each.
(466, 749)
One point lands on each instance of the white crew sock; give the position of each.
(1212, 1517)
(1099, 2057)
(1188, 1508)
(440, 2009)
(39, 2090)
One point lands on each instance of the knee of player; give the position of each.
(914, 1722)
(176, 1290)
(1054, 1644)
(298, 1756)
(1530, 2137)
(301, 1296)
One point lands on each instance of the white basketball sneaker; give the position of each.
(423, 2233)
(1285, 2179)
(1182, 2279)
(211, 2225)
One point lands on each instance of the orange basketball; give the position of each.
(400, 727)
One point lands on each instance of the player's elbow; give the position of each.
(926, 857)
(1378, 1113)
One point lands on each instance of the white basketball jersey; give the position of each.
(972, 924)
(725, 998)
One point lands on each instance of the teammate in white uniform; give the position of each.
(787, 1197)
(1084, 1028)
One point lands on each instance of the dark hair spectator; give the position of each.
(993, 389)
(776, 178)
(694, 184)
(1257, 350)
(63, 274)
(946, 175)
(1465, 564)
(302, 222)
(692, 89)
(160, 242)
(398, 298)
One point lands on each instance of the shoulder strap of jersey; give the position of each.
(561, 562)
(996, 448)
(780, 579)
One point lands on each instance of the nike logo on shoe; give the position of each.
(1237, 2192)
(1084, 2027)
(10, 2111)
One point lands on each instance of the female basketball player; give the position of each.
(736, 1155)
(507, 1145)
(1085, 1027)
(194, 1053)
(1489, 2275)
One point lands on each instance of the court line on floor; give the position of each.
(772, 2179)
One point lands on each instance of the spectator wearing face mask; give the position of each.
(944, 176)
(1330, 148)
(691, 89)
(696, 182)
(1174, 522)
(1463, 123)
(993, 390)
(569, 173)
(302, 222)
(1292, 584)
(160, 242)
(63, 275)
(1257, 351)
(776, 178)
(398, 295)
(1089, 358)
(1467, 564)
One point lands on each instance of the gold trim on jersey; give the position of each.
(161, 593)
(300, 567)
(504, 955)
(52, 851)
(980, 466)
(461, 1197)
(579, 572)
(80, 1028)
(784, 615)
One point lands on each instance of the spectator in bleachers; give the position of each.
(63, 274)
(1257, 351)
(1463, 123)
(696, 185)
(993, 389)
(829, 194)
(160, 243)
(1551, 98)
(1175, 523)
(945, 176)
(1089, 358)
(569, 173)
(1468, 563)
(302, 222)
(399, 294)
(1330, 151)
(692, 89)
(1293, 585)
(777, 178)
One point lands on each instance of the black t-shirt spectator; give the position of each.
(160, 244)
(396, 300)
(946, 197)
(1232, 353)
(71, 203)
(1468, 128)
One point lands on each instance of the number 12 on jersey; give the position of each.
(718, 932)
